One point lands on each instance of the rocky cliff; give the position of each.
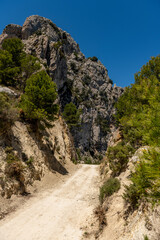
(27, 155)
(85, 82)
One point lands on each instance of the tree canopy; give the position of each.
(138, 116)
(15, 65)
(40, 95)
(71, 114)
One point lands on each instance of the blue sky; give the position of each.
(123, 34)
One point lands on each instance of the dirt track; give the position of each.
(58, 215)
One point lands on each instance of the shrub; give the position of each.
(69, 83)
(15, 47)
(110, 81)
(140, 106)
(118, 157)
(100, 214)
(30, 161)
(38, 100)
(71, 114)
(73, 67)
(146, 237)
(78, 151)
(145, 180)
(109, 187)
(15, 66)
(132, 196)
(103, 123)
(8, 71)
(57, 45)
(87, 160)
(8, 149)
(94, 59)
(29, 65)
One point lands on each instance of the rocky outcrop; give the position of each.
(26, 156)
(83, 81)
(8, 91)
(122, 223)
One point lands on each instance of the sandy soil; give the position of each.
(60, 213)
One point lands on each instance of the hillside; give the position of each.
(85, 82)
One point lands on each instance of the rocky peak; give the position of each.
(85, 82)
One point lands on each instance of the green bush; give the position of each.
(8, 71)
(71, 114)
(146, 237)
(30, 161)
(38, 100)
(110, 81)
(29, 65)
(103, 123)
(15, 66)
(87, 160)
(132, 196)
(145, 180)
(57, 45)
(94, 59)
(140, 106)
(118, 157)
(109, 187)
(138, 116)
(15, 47)
(10, 158)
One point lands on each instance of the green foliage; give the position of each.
(109, 187)
(78, 151)
(15, 47)
(146, 237)
(29, 65)
(8, 71)
(94, 59)
(87, 160)
(40, 94)
(57, 45)
(8, 149)
(74, 161)
(10, 158)
(140, 106)
(103, 123)
(15, 66)
(118, 157)
(145, 179)
(30, 161)
(71, 114)
(138, 115)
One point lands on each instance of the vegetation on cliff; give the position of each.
(36, 89)
(138, 116)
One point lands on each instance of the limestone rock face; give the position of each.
(14, 30)
(49, 151)
(83, 81)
